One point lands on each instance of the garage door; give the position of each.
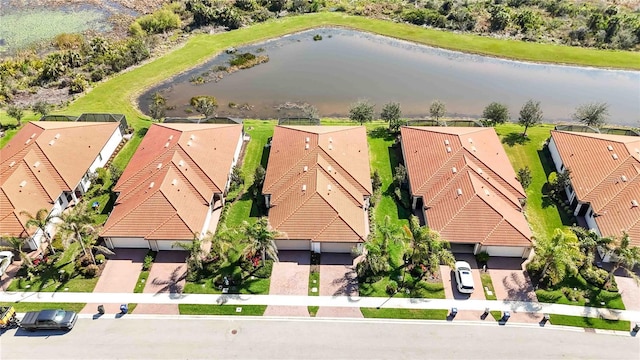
(329, 247)
(293, 245)
(130, 243)
(170, 245)
(507, 251)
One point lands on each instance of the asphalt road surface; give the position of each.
(262, 338)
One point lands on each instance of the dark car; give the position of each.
(49, 320)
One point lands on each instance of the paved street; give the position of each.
(166, 337)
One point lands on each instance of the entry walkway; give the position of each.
(331, 301)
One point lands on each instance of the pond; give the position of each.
(347, 65)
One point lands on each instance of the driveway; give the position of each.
(119, 275)
(167, 275)
(630, 292)
(510, 281)
(290, 276)
(451, 286)
(338, 278)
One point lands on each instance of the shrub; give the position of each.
(594, 276)
(573, 294)
(83, 261)
(147, 263)
(135, 29)
(482, 257)
(67, 41)
(78, 84)
(247, 5)
(241, 59)
(317, 37)
(159, 22)
(100, 258)
(91, 271)
(264, 271)
(392, 287)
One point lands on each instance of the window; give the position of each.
(591, 213)
(60, 201)
(100, 157)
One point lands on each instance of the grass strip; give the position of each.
(313, 310)
(33, 306)
(392, 313)
(487, 284)
(142, 281)
(247, 310)
(590, 323)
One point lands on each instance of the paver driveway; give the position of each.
(511, 282)
(451, 286)
(167, 275)
(338, 278)
(120, 275)
(290, 276)
(630, 292)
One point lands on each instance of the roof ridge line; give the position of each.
(196, 163)
(284, 173)
(344, 221)
(164, 222)
(40, 186)
(347, 172)
(500, 176)
(130, 211)
(200, 170)
(298, 207)
(622, 163)
(51, 163)
(502, 216)
(192, 187)
(451, 158)
(458, 212)
(138, 187)
(148, 165)
(454, 177)
(340, 185)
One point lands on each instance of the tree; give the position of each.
(400, 175)
(557, 256)
(16, 244)
(195, 249)
(437, 110)
(41, 220)
(361, 111)
(205, 105)
(15, 112)
(90, 242)
(75, 225)
(530, 115)
(428, 249)
(260, 239)
(376, 180)
(258, 181)
(592, 114)
(496, 113)
(391, 113)
(590, 241)
(158, 107)
(41, 107)
(373, 263)
(623, 256)
(390, 234)
(524, 177)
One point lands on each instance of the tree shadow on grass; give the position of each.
(141, 132)
(515, 138)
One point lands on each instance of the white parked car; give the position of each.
(6, 258)
(464, 278)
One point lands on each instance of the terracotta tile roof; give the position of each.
(41, 161)
(469, 189)
(166, 189)
(331, 164)
(605, 171)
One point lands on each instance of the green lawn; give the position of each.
(387, 313)
(254, 286)
(314, 282)
(313, 310)
(247, 310)
(33, 306)
(142, 281)
(422, 289)
(594, 295)
(487, 283)
(497, 314)
(585, 322)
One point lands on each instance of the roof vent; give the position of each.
(479, 171)
(174, 182)
(459, 191)
(328, 187)
(151, 185)
(454, 170)
(470, 141)
(304, 187)
(305, 168)
(52, 142)
(166, 144)
(473, 148)
(57, 136)
(448, 149)
(486, 192)
(634, 203)
(192, 137)
(23, 183)
(614, 156)
(610, 148)
(637, 151)
(159, 165)
(330, 139)
(329, 168)
(330, 147)
(170, 137)
(306, 146)
(36, 164)
(623, 178)
(306, 139)
(12, 163)
(33, 135)
(446, 141)
(27, 142)
(189, 143)
(181, 163)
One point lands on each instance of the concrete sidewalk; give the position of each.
(330, 301)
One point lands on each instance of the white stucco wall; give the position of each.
(107, 150)
(236, 155)
(555, 155)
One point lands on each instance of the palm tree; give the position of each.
(196, 253)
(260, 239)
(75, 225)
(559, 255)
(90, 242)
(624, 256)
(390, 234)
(41, 220)
(589, 242)
(373, 262)
(16, 244)
(428, 249)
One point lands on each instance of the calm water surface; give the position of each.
(348, 65)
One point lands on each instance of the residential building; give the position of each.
(461, 180)
(174, 186)
(317, 187)
(48, 164)
(605, 180)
